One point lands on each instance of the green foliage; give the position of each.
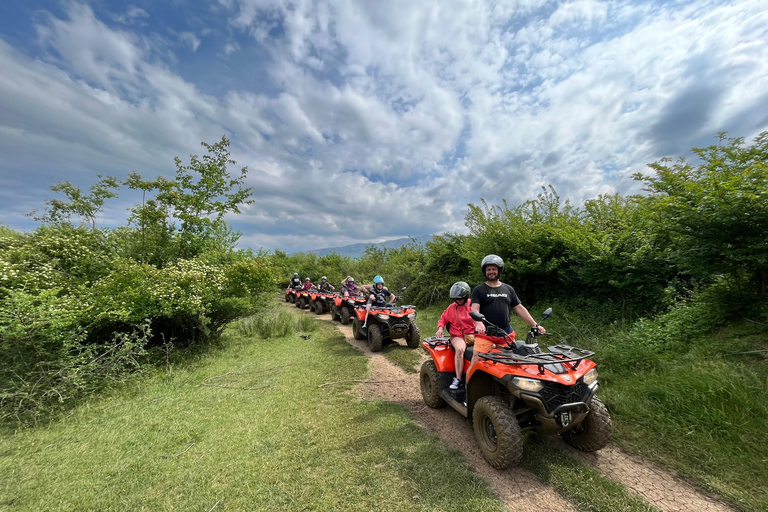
(81, 307)
(717, 212)
(85, 206)
(274, 322)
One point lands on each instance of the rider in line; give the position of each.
(325, 286)
(295, 282)
(350, 288)
(460, 326)
(307, 285)
(494, 300)
(378, 297)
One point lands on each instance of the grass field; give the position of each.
(246, 427)
(261, 424)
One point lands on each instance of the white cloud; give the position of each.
(190, 39)
(399, 111)
(132, 15)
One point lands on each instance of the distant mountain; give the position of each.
(356, 250)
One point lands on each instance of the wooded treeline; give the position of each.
(700, 230)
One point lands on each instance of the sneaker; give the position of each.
(455, 384)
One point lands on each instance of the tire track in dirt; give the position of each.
(519, 489)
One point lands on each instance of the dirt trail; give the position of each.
(518, 489)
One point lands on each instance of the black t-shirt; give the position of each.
(495, 303)
(295, 282)
(381, 296)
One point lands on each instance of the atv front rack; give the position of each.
(557, 354)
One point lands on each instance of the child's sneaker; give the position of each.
(455, 384)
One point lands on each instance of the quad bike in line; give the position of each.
(291, 294)
(343, 308)
(303, 298)
(386, 324)
(320, 302)
(516, 387)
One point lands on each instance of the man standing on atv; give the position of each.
(494, 299)
(295, 282)
(378, 297)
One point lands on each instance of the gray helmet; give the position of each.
(351, 280)
(324, 278)
(307, 279)
(492, 259)
(459, 290)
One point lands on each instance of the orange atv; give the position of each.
(320, 302)
(303, 298)
(386, 324)
(291, 294)
(517, 387)
(343, 308)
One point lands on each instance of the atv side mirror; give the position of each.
(546, 314)
(403, 289)
(477, 317)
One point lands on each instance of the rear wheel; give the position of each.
(344, 315)
(375, 339)
(594, 432)
(497, 432)
(413, 336)
(357, 332)
(429, 380)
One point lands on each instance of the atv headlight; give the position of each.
(590, 377)
(531, 385)
(412, 315)
(382, 317)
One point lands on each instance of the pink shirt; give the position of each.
(458, 317)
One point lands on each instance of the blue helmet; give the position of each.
(378, 279)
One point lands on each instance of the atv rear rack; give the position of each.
(557, 354)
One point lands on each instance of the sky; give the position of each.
(362, 121)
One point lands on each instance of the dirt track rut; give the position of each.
(519, 489)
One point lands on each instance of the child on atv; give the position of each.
(378, 296)
(460, 326)
(325, 286)
(350, 288)
(307, 285)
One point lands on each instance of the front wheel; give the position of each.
(497, 432)
(594, 432)
(429, 381)
(287, 297)
(357, 330)
(413, 336)
(344, 315)
(375, 339)
(291, 298)
(335, 313)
